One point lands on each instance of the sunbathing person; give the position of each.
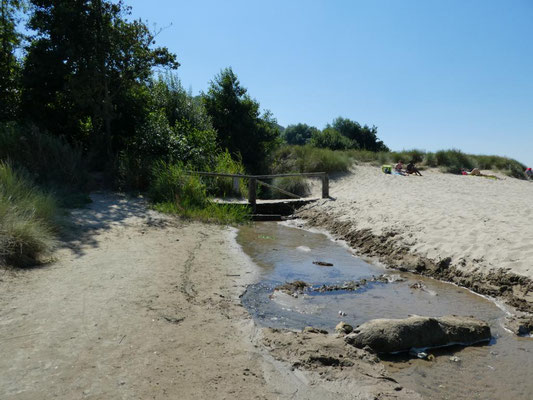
(475, 171)
(412, 169)
(398, 168)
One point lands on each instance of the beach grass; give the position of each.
(28, 222)
(310, 159)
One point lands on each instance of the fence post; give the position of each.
(325, 186)
(251, 193)
(236, 184)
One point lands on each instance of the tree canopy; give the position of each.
(241, 128)
(299, 134)
(86, 70)
(363, 137)
(10, 41)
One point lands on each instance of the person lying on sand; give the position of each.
(412, 169)
(475, 171)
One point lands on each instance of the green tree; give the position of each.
(364, 136)
(240, 126)
(330, 138)
(86, 71)
(176, 130)
(10, 41)
(298, 134)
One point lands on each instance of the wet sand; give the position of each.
(498, 370)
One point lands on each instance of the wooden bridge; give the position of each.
(270, 209)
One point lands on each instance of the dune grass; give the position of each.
(172, 191)
(293, 184)
(310, 159)
(27, 219)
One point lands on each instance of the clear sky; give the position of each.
(429, 74)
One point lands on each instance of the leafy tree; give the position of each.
(298, 134)
(364, 136)
(176, 130)
(10, 40)
(331, 138)
(240, 126)
(86, 71)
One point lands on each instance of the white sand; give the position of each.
(442, 215)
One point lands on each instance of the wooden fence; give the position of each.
(254, 180)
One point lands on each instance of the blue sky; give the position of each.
(429, 74)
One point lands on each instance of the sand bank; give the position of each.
(475, 231)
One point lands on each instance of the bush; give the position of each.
(27, 219)
(220, 186)
(173, 191)
(331, 139)
(297, 185)
(171, 184)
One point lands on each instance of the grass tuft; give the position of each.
(27, 219)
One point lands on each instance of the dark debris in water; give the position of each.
(298, 287)
(323, 263)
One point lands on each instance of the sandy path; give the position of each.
(141, 306)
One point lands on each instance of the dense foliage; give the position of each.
(85, 72)
(10, 41)
(241, 127)
(299, 134)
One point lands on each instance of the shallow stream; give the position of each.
(503, 369)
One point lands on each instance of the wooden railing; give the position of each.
(254, 180)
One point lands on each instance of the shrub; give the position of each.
(174, 191)
(331, 139)
(27, 219)
(171, 184)
(220, 186)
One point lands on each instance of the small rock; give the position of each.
(344, 328)
(396, 335)
(455, 359)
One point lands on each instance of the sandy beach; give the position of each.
(140, 305)
(477, 226)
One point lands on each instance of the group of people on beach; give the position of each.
(409, 169)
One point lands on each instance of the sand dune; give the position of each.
(474, 220)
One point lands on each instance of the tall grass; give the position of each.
(310, 159)
(27, 219)
(174, 191)
(50, 161)
(293, 184)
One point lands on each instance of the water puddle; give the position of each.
(501, 370)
